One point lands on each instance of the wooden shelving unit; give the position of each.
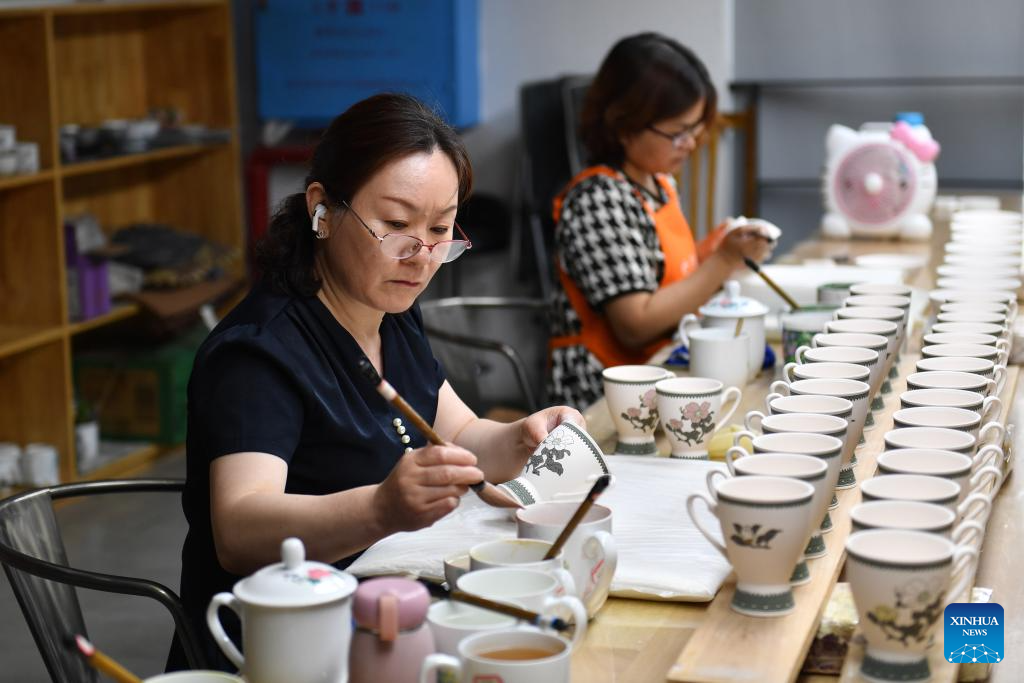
(86, 63)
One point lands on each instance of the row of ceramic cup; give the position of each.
(689, 409)
(982, 257)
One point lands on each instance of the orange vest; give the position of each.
(682, 256)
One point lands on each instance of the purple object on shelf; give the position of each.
(88, 285)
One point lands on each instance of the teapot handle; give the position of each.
(213, 622)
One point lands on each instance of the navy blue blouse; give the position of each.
(278, 375)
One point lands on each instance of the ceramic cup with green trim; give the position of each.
(764, 526)
(901, 582)
(799, 327)
(803, 467)
(833, 293)
(915, 516)
(563, 467)
(632, 401)
(692, 410)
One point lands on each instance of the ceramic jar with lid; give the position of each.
(392, 637)
(296, 620)
(723, 310)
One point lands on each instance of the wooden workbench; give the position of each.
(636, 641)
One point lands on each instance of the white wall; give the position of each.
(528, 40)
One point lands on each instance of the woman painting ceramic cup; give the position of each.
(694, 408)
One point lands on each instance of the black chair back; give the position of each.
(51, 609)
(32, 553)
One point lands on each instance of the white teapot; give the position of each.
(296, 620)
(723, 310)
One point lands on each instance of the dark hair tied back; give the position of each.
(357, 144)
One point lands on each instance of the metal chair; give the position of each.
(33, 555)
(454, 325)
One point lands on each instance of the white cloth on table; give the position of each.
(662, 556)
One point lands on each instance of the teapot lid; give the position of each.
(390, 604)
(730, 304)
(293, 582)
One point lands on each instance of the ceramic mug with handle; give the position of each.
(693, 409)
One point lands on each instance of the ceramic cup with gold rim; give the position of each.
(803, 467)
(901, 582)
(764, 524)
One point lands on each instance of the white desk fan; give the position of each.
(880, 180)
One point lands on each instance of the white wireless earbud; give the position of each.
(318, 213)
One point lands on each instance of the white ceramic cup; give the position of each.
(718, 353)
(793, 371)
(563, 467)
(901, 582)
(962, 271)
(981, 284)
(472, 665)
(978, 315)
(527, 588)
(934, 338)
(764, 521)
(692, 409)
(992, 353)
(590, 553)
(977, 296)
(990, 216)
(946, 439)
(803, 467)
(632, 401)
(852, 390)
(837, 354)
(956, 467)
(915, 516)
(993, 329)
(522, 553)
(954, 418)
(977, 366)
(778, 404)
(452, 621)
(988, 407)
(875, 342)
(880, 288)
(455, 566)
(964, 381)
(975, 306)
(807, 423)
(927, 489)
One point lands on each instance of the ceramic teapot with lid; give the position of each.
(296, 620)
(723, 310)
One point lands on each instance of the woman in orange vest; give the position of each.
(628, 266)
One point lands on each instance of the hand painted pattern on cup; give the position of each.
(917, 605)
(554, 448)
(645, 415)
(701, 421)
(753, 536)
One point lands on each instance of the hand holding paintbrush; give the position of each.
(487, 492)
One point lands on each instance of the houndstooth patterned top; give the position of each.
(607, 244)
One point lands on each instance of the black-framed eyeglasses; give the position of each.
(401, 247)
(689, 133)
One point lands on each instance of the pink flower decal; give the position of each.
(691, 412)
(705, 409)
(675, 424)
(633, 412)
(317, 574)
(650, 399)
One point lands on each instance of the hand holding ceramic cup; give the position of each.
(692, 409)
(764, 523)
(901, 582)
(509, 656)
(564, 466)
(590, 552)
(629, 392)
(802, 467)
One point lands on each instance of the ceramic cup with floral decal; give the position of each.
(692, 409)
(563, 467)
(763, 522)
(632, 401)
(901, 583)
